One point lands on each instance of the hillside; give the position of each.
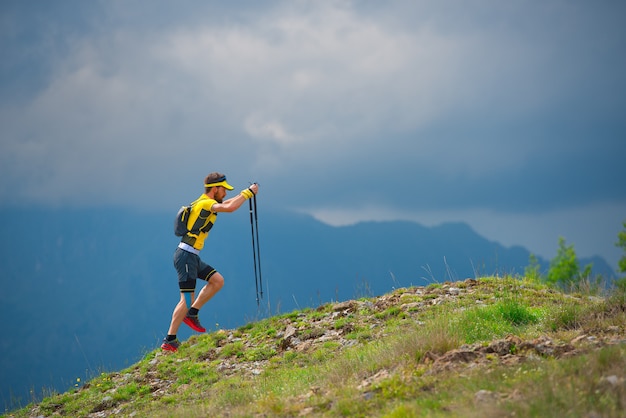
(490, 347)
(75, 272)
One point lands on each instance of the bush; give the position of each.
(564, 268)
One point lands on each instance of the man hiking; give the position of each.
(187, 261)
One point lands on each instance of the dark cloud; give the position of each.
(506, 108)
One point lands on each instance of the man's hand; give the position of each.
(250, 191)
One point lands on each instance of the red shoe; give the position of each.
(170, 345)
(194, 323)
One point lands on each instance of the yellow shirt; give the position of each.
(200, 222)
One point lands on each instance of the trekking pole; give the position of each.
(258, 245)
(256, 279)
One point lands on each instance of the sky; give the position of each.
(509, 116)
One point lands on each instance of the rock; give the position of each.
(458, 355)
(289, 339)
(499, 347)
(612, 380)
(290, 331)
(349, 306)
(412, 306)
(106, 403)
(483, 396)
(376, 378)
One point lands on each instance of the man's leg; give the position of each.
(170, 342)
(216, 282)
(180, 311)
(186, 265)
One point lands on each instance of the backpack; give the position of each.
(180, 223)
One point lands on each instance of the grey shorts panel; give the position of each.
(190, 267)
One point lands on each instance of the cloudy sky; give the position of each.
(507, 115)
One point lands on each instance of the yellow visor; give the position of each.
(221, 182)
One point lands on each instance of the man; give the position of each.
(187, 261)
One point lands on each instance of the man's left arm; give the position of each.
(234, 203)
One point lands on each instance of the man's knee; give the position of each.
(217, 280)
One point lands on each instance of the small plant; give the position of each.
(515, 313)
(564, 268)
(533, 270)
(343, 323)
(391, 312)
(621, 243)
(218, 336)
(260, 353)
(567, 316)
(233, 349)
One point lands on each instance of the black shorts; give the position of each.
(190, 267)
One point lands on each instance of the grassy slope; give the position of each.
(491, 347)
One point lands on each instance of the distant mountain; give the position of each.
(92, 290)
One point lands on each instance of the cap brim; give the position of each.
(223, 183)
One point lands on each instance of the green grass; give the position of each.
(381, 359)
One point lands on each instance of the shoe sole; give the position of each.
(193, 326)
(168, 347)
